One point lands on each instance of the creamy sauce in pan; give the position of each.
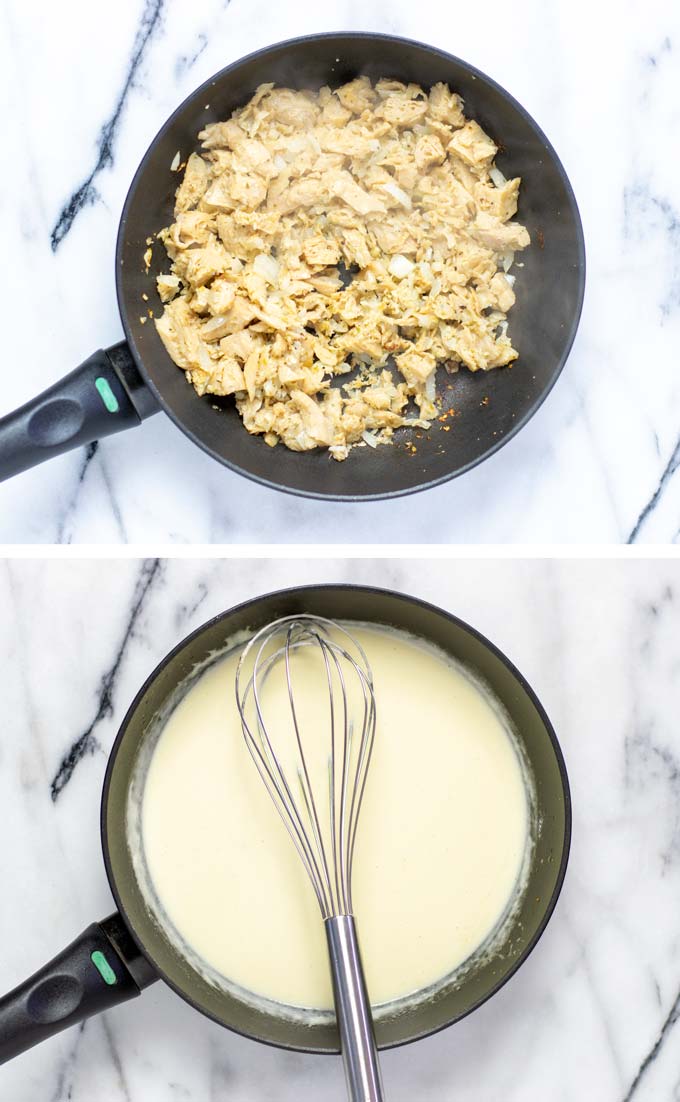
(441, 844)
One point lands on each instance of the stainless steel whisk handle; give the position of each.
(352, 1008)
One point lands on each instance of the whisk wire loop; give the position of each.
(303, 773)
(272, 774)
(327, 854)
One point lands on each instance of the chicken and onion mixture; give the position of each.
(318, 235)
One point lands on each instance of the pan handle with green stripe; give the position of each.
(101, 968)
(105, 394)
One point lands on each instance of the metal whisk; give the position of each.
(321, 819)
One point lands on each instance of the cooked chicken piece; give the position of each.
(196, 177)
(501, 202)
(167, 286)
(303, 193)
(393, 236)
(215, 329)
(317, 425)
(253, 154)
(502, 295)
(333, 113)
(359, 415)
(220, 297)
(220, 160)
(402, 112)
(378, 397)
(222, 135)
(350, 141)
(297, 109)
(341, 215)
(241, 314)
(228, 376)
(199, 300)
(473, 146)
(197, 266)
(416, 367)
(260, 92)
(329, 357)
(499, 236)
(364, 341)
(428, 151)
(481, 352)
(325, 283)
(248, 191)
(355, 248)
(320, 251)
(446, 106)
(346, 188)
(464, 175)
(191, 227)
(357, 96)
(240, 344)
(397, 184)
(180, 336)
(219, 196)
(446, 195)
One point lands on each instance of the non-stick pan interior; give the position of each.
(489, 407)
(542, 755)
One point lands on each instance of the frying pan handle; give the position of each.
(105, 394)
(100, 969)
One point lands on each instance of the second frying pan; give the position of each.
(119, 387)
(113, 960)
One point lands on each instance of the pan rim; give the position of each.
(368, 590)
(496, 445)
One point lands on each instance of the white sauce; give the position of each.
(442, 837)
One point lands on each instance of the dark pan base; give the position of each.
(542, 753)
(490, 408)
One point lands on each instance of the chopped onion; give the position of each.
(266, 266)
(506, 261)
(397, 193)
(497, 176)
(174, 165)
(205, 362)
(400, 266)
(430, 388)
(510, 279)
(370, 438)
(426, 271)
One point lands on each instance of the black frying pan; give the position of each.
(119, 387)
(112, 960)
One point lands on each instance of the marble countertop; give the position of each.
(83, 97)
(594, 1011)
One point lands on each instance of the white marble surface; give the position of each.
(82, 96)
(598, 999)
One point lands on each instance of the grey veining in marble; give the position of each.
(82, 96)
(594, 1011)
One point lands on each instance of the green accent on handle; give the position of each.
(107, 396)
(103, 967)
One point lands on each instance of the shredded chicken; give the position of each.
(321, 235)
